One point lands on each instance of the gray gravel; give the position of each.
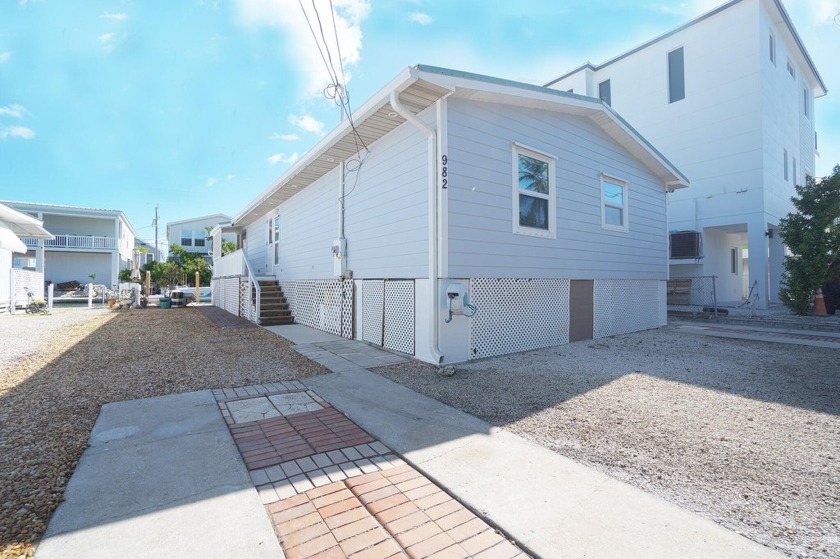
(61, 368)
(745, 433)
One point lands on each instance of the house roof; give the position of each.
(419, 87)
(782, 14)
(22, 224)
(224, 217)
(70, 210)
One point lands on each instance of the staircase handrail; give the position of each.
(253, 284)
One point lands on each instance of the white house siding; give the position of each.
(481, 241)
(5, 279)
(386, 218)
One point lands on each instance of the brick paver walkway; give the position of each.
(334, 491)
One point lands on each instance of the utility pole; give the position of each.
(157, 252)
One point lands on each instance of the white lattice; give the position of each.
(347, 309)
(246, 305)
(518, 315)
(373, 300)
(399, 315)
(622, 306)
(321, 304)
(226, 294)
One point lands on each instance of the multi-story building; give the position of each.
(90, 244)
(193, 234)
(728, 98)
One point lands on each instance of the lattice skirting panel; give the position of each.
(226, 294)
(518, 315)
(323, 304)
(622, 306)
(373, 303)
(398, 323)
(246, 301)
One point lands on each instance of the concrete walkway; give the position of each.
(814, 338)
(228, 472)
(161, 478)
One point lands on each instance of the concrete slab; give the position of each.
(550, 504)
(300, 334)
(161, 478)
(290, 404)
(813, 338)
(251, 409)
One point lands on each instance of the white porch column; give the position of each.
(759, 269)
(777, 264)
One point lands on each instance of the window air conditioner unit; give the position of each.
(686, 245)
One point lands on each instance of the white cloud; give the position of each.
(17, 132)
(110, 41)
(5, 57)
(16, 111)
(308, 123)
(420, 18)
(116, 17)
(283, 158)
(284, 137)
(287, 16)
(210, 182)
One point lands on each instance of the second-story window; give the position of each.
(772, 44)
(806, 102)
(186, 238)
(676, 75)
(605, 92)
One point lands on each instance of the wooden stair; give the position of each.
(274, 309)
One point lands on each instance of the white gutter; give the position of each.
(433, 222)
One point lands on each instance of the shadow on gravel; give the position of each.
(47, 415)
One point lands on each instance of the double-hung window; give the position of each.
(613, 203)
(605, 92)
(534, 193)
(186, 238)
(676, 75)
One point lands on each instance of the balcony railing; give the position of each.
(76, 241)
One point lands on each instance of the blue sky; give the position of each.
(197, 105)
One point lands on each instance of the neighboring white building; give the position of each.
(13, 283)
(87, 241)
(192, 234)
(544, 210)
(729, 98)
(151, 254)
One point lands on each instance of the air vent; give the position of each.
(686, 245)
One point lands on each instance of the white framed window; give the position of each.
(793, 170)
(605, 92)
(276, 237)
(186, 237)
(534, 193)
(733, 260)
(791, 69)
(614, 203)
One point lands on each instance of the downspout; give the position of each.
(342, 241)
(433, 221)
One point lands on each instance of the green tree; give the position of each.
(190, 263)
(812, 233)
(228, 247)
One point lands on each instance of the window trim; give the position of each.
(608, 100)
(668, 71)
(625, 207)
(772, 48)
(551, 197)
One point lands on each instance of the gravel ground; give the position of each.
(57, 371)
(744, 433)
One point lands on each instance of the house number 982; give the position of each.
(444, 172)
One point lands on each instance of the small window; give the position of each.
(786, 166)
(772, 48)
(613, 203)
(199, 239)
(534, 193)
(806, 101)
(791, 70)
(186, 238)
(276, 237)
(793, 170)
(676, 76)
(605, 92)
(733, 260)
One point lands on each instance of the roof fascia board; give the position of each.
(373, 104)
(202, 218)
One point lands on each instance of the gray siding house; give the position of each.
(460, 216)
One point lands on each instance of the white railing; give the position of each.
(252, 312)
(75, 241)
(229, 265)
